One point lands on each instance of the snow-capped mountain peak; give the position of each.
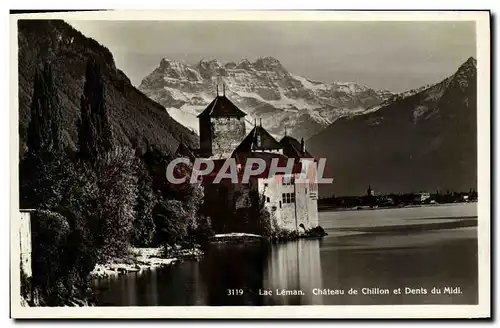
(263, 88)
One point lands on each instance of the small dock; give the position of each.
(236, 238)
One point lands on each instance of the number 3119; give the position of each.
(235, 292)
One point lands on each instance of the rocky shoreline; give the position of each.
(139, 259)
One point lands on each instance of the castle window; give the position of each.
(312, 186)
(268, 200)
(258, 140)
(280, 203)
(288, 180)
(288, 198)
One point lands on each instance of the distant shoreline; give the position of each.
(328, 208)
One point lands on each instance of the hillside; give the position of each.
(264, 89)
(136, 119)
(425, 140)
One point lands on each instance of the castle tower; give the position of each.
(222, 127)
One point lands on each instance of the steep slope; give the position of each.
(425, 140)
(135, 118)
(264, 89)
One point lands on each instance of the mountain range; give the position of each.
(421, 139)
(425, 140)
(264, 89)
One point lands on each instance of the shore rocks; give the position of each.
(142, 259)
(285, 235)
(235, 238)
(316, 232)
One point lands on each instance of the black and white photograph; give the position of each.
(250, 164)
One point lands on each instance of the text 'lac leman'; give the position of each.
(268, 292)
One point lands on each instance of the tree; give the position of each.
(171, 222)
(94, 133)
(113, 217)
(42, 169)
(45, 127)
(115, 169)
(78, 205)
(144, 226)
(62, 196)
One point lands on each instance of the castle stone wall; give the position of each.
(228, 133)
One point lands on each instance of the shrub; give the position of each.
(42, 179)
(201, 230)
(114, 213)
(171, 222)
(50, 232)
(282, 235)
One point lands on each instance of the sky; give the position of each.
(396, 56)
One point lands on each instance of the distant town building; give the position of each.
(370, 191)
(369, 198)
(422, 197)
(223, 135)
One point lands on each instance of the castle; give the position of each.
(292, 205)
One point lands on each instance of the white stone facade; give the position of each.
(25, 242)
(291, 203)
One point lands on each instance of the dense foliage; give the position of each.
(50, 235)
(94, 204)
(114, 212)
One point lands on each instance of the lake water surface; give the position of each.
(371, 251)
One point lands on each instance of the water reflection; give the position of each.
(233, 273)
(218, 278)
(347, 258)
(294, 267)
(305, 266)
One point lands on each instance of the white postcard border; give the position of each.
(482, 19)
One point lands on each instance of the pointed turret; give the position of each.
(221, 127)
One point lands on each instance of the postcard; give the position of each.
(250, 164)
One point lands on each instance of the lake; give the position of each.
(417, 255)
